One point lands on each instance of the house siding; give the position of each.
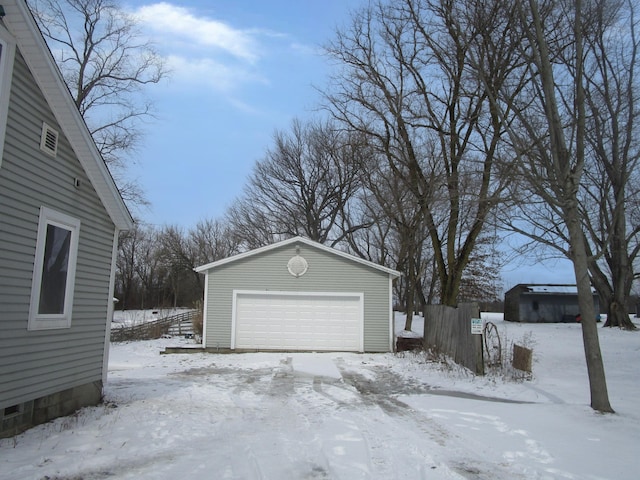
(36, 364)
(327, 273)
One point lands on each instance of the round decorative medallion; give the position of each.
(297, 266)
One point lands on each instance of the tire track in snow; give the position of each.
(382, 391)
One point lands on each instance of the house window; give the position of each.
(7, 53)
(54, 271)
(536, 306)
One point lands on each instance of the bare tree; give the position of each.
(391, 204)
(155, 266)
(302, 187)
(404, 83)
(547, 128)
(608, 192)
(139, 276)
(180, 258)
(126, 282)
(611, 92)
(106, 63)
(212, 240)
(181, 252)
(150, 271)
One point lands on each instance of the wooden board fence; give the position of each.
(447, 330)
(155, 329)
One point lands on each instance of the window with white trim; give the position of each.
(54, 270)
(7, 54)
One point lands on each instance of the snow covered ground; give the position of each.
(345, 416)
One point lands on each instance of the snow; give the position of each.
(346, 416)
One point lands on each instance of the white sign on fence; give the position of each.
(476, 326)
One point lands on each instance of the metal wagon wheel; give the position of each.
(492, 344)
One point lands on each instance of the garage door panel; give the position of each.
(298, 322)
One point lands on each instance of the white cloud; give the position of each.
(180, 25)
(305, 49)
(211, 73)
(215, 56)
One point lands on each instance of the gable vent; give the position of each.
(49, 140)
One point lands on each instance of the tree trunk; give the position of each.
(621, 277)
(618, 315)
(613, 292)
(566, 180)
(409, 309)
(410, 294)
(593, 355)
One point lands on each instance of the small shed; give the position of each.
(540, 303)
(298, 294)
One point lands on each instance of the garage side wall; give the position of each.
(326, 272)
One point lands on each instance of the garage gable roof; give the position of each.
(306, 241)
(20, 22)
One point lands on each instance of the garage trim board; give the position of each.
(308, 321)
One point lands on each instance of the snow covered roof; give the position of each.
(552, 289)
(306, 241)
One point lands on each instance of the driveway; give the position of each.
(316, 416)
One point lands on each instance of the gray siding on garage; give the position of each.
(327, 273)
(38, 363)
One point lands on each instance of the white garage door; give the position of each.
(292, 321)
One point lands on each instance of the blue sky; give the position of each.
(241, 69)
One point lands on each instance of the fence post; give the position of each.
(479, 354)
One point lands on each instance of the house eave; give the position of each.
(20, 22)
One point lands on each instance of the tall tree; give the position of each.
(302, 186)
(404, 83)
(611, 93)
(608, 192)
(393, 205)
(547, 128)
(106, 63)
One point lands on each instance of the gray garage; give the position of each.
(543, 303)
(298, 295)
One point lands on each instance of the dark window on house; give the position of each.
(54, 270)
(535, 305)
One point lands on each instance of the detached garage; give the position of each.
(298, 295)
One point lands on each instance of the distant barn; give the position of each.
(543, 303)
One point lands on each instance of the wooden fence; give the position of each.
(447, 330)
(179, 324)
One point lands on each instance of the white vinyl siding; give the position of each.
(297, 321)
(54, 271)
